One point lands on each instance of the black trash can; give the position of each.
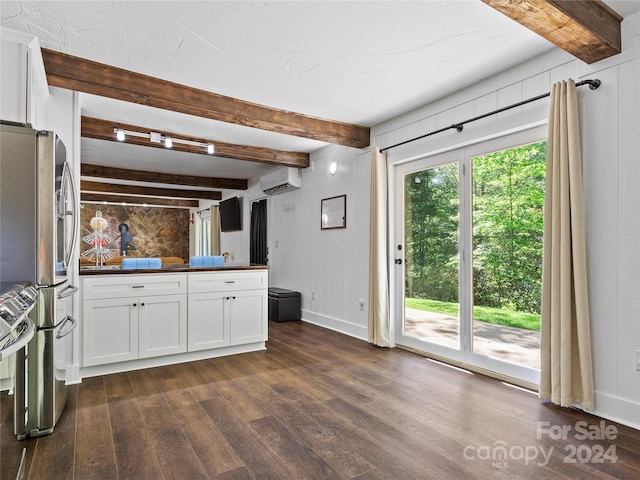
(284, 305)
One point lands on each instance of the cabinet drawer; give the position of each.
(227, 281)
(116, 286)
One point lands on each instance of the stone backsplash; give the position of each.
(156, 232)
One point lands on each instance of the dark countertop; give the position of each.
(169, 268)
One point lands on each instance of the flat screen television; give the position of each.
(230, 215)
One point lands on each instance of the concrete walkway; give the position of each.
(510, 344)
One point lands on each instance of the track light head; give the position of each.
(210, 149)
(120, 135)
(167, 142)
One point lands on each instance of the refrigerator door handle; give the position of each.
(69, 186)
(62, 332)
(67, 291)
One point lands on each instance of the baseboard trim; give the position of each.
(617, 410)
(335, 324)
(97, 370)
(73, 375)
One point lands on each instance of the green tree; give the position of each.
(508, 196)
(431, 231)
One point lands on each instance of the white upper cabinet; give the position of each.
(23, 81)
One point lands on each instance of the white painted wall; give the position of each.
(334, 264)
(328, 267)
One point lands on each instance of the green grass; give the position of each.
(498, 316)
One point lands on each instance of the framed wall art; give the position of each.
(333, 212)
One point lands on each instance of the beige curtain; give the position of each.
(566, 375)
(378, 274)
(215, 230)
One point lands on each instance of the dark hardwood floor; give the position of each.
(315, 405)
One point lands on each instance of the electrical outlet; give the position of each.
(638, 360)
(361, 303)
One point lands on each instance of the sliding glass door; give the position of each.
(468, 255)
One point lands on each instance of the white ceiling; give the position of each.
(360, 62)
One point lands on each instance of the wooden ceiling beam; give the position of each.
(165, 202)
(587, 29)
(101, 129)
(101, 187)
(99, 171)
(82, 75)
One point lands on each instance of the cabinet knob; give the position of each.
(142, 304)
(233, 298)
(227, 298)
(135, 304)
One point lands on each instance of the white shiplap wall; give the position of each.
(333, 265)
(328, 267)
(610, 131)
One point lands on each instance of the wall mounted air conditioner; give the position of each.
(281, 180)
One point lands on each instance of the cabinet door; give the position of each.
(13, 77)
(248, 317)
(7, 367)
(208, 320)
(163, 325)
(109, 330)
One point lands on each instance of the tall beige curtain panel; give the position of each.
(566, 375)
(215, 230)
(378, 268)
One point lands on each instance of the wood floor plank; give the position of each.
(10, 447)
(375, 452)
(352, 391)
(345, 461)
(315, 404)
(129, 429)
(245, 405)
(257, 457)
(208, 443)
(292, 451)
(211, 375)
(94, 453)
(143, 383)
(175, 455)
(55, 452)
(238, 474)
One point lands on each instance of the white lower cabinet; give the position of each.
(162, 325)
(178, 313)
(109, 330)
(119, 328)
(247, 314)
(220, 319)
(208, 321)
(227, 308)
(7, 367)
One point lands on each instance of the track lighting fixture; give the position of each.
(156, 137)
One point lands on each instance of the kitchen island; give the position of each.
(142, 318)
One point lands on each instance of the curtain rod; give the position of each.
(593, 85)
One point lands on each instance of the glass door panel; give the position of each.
(468, 255)
(507, 199)
(431, 256)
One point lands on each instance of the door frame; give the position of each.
(464, 152)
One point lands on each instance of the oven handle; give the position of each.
(63, 333)
(67, 291)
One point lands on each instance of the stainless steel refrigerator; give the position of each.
(38, 229)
